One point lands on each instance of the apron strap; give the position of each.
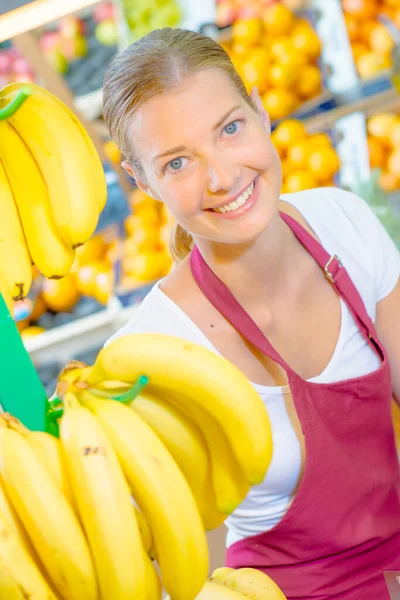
(340, 279)
(223, 300)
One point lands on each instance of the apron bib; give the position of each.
(342, 530)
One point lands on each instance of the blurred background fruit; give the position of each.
(277, 51)
(383, 130)
(308, 160)
(371, 41)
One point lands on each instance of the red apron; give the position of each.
(342, 530)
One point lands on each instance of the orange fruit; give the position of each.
(376, 152)
(282, 75)
(255, 70)
(394, 135)
(380, 39)
(359, 49)
(60, 295)
(278, 19)
(287, 133)
(103, 286)
(353, 28)
(31, 331)
(307, 42)
(323, 163)
(298, 181)
(394, 163)
(388, 181)
(87, 274)
(147, 266)
(282, 48)
(391, 3)
(396, 18)
(112, 152)
(319, 139)
(363, 9)
(381, 126)
(298, 154)
(287, 168)
(309, 82)
(279, 102)
(366, 28)
(247, 31)
(371, 64)
(39, 307)
(93, 249)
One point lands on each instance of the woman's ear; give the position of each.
(138, 179)
(255, 96)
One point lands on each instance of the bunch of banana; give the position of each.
(85, 547)
(201, 406)
(52, 187)
(239, 584)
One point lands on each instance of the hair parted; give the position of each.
(157, 63)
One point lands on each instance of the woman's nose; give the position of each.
(222, 175)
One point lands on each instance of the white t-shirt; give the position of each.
(347, 227)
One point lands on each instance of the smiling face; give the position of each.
(208, 155)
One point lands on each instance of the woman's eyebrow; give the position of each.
(225, 117)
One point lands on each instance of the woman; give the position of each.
(263, 286)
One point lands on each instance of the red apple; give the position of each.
(102, 11)
(71, 26)
(226, 14)
(20, 65)
(75, 47)
(5, 61)
(49, 40)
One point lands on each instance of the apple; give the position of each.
(57, 60)
(75, 47)
(49, 40)
(20, 65)
(226, 14)
(5, 62)
(106, 32)
(26, 77)
(104, 10)
(70, 26)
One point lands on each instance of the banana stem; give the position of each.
(125, 398)
(8, 110)
(133, 391)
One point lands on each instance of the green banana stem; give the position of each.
(125, 398)
(10, 108)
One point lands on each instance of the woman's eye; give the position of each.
(176, 164)
(232, 128)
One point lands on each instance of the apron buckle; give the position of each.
(328, 274)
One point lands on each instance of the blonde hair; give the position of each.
(159, 62)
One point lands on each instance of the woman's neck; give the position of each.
(262, 268)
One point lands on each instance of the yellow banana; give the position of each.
(49, 450)
(220, 574)
(49, 252)
(88, 185)
(145, 531)
(213, 591)
(163, 495)
(184, 440)
(153, 584)
(7, 511)
(104, 505)
(5, 292)
(254, 584)
(47, 517)
(202, 377)
(64, 161)
(15, 262)
(20, 578)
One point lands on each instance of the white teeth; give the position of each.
(236, 203)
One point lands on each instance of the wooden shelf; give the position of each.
(37, 13)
